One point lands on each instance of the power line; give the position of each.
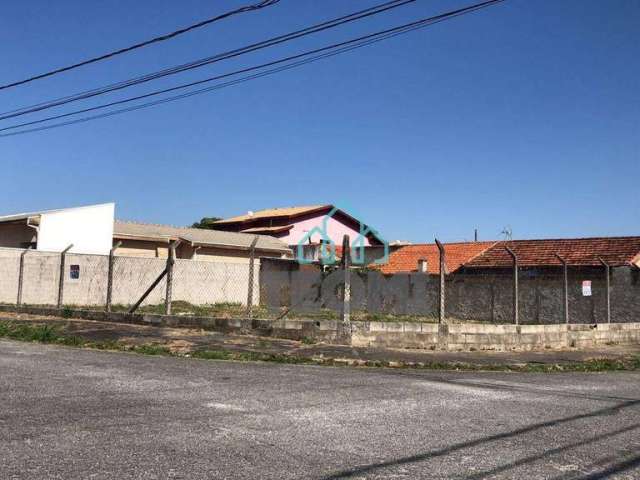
(161, 38)
(209, 60)
(240, 71)
(319, 53)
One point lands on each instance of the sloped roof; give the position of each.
(284, 228)
(616, 251)
(405, 259)
(24, 216)
(274, 213)
(198, 236)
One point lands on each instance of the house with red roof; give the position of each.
(425, 257)
(544, 253)
(493, 256)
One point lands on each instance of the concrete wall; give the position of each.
(410, 335)
(89, 229)
(486, 297)
(10, 262)
(194, 281)
(470, 337)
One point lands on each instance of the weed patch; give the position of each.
(51, 334)
(151, 349)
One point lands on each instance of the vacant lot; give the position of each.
(69, 413)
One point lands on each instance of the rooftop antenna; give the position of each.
(475, 235)
(507, 232)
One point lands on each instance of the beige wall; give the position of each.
(149, 249)
(15, 235)
(208, 254)
(142, 248)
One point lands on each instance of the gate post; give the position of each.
(63, 256)
(565, 287)
(110, 275)
(607, 272)
(252, 257)
(516, 318)
(20, 278)
(171, 260)
(346, 299)
(443, 268)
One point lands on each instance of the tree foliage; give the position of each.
(206, 223)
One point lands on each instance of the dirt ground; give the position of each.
(185, 340)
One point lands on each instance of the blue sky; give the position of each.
(525, 114)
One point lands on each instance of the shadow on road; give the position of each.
(615, 468)
(625, 465)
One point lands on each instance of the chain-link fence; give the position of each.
(285, 289)
(590, 294)
(127, 284)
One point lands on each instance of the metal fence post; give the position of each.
(110, 275)
(346, 263)
(516, 318)
(252, 257)
(171, 260)
(565, 287)
(20, 278)
(443, 268)
(607, 271)
(63, 256)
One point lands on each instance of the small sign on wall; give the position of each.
(74, 272)
(586, 288)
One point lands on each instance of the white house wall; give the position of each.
(89, 229)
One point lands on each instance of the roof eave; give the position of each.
(145, 238)
(232, 221)
(235, 247)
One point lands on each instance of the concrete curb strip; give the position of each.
(427, 336)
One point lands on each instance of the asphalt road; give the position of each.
(80, 414)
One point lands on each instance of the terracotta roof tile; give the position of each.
(405, 259)
(616, 251)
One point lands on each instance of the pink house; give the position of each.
(308, 224)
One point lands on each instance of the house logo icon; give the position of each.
(327, 248)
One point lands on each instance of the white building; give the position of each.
(89, 229)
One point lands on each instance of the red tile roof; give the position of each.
(405, 259)
(616, 251)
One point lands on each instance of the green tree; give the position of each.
(206, 223)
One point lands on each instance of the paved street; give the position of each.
(76, 414)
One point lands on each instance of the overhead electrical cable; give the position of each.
(161, 38)
(209, 60)
(319, 53)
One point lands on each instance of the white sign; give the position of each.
(586, 288)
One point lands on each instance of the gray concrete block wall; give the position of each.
(408, 335)
(195, 282)
(40, 281)
(477, 337)
(483, 297)
(91, 287)
(9, 268)
(214, 282)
